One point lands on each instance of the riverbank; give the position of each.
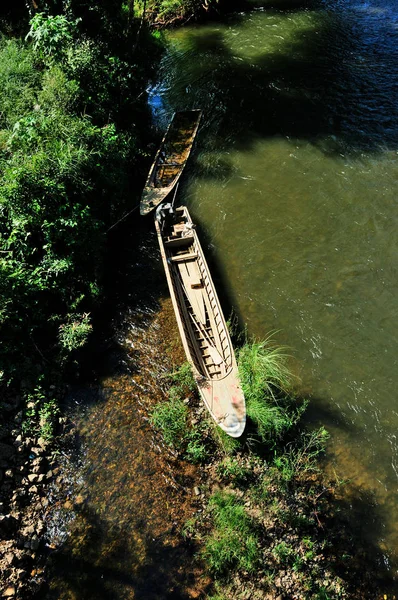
(120, 507)
(230, 523)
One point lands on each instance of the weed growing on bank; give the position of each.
(171, 418)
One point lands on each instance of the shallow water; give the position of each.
(294, 185)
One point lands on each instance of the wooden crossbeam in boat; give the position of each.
(179, 241)
(184, 257)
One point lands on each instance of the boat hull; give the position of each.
(170, 159)
(201, 323)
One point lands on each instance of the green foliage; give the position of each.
(51, 35)
(171, 418)
(74, 333)
(61, 178)
(283, 553)
(303, 455)
(233, 543)
(183, 379)
(228, 444)
(166, 12)
(40, 414)
(232, 470)
(263, 370)
(266, 380)
(47, 416)
(19, 80)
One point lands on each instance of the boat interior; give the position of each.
(203, 323)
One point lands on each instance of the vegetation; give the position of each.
(233, 543)
(268, 527)
(171, 418)
(72, 133)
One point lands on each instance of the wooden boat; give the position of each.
(170, 159)
(201, 323)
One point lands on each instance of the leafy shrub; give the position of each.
(74, 334)
(196, 451)
(51, 35)
(40, 414)
(232, 470)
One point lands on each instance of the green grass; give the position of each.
(233, 543)
(231, 470)
(266, 381)
(171, 418)
(183, 380)
(303, 455)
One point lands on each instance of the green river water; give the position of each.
(294, 186)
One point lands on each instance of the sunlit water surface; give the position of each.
(294, 183)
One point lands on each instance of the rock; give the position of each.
(18, 440)
(32, 477)
(196, 490)
(9, 473)
(33, 489)
(34, 543)
(40, 527)
(29, 530)
(40, 478)
(18, 417)
(6, 451)
(49, 475)
(8, 525)
(21, 573)
(42, 442)
(9, 558)
(10, 592)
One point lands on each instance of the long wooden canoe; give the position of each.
(201, 323)
(170, 159)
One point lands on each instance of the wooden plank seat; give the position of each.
(183, 257)
(179, 241)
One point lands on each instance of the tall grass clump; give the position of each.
(266, 380)
(171, 418)
(233, 543)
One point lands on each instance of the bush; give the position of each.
(74, 334)
(51, 35)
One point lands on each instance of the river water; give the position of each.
(294, 186)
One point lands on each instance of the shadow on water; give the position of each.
(106, 566)
(328, 82)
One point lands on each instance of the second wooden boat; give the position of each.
(170, 159)
(201, 323)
